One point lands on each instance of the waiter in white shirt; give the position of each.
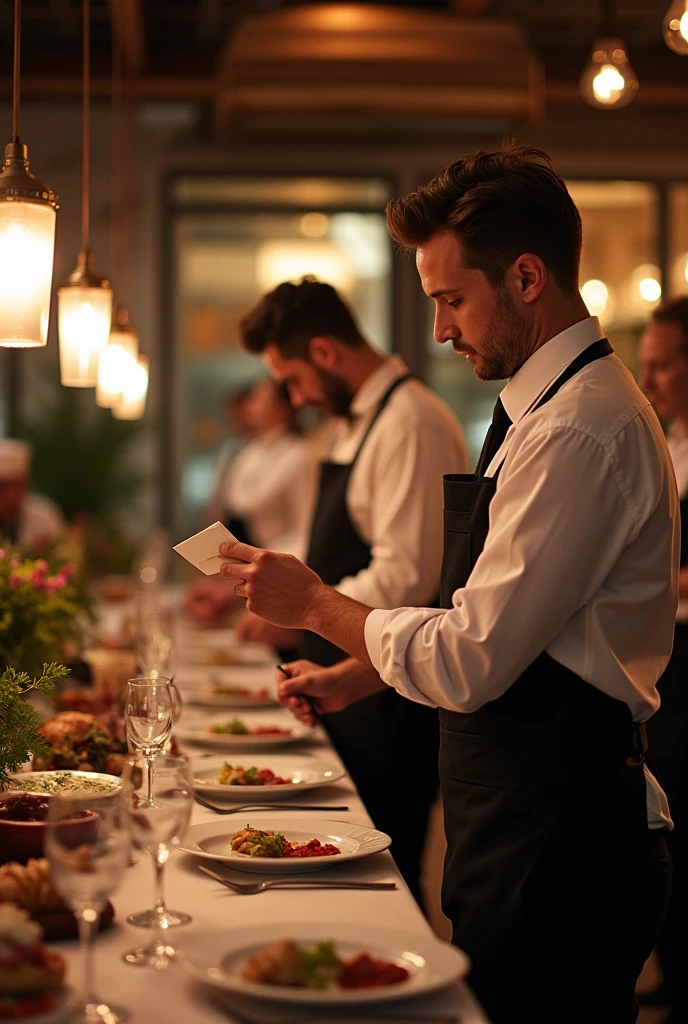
(559, 588)
(26, 519)
(664, 378)
(378, 499)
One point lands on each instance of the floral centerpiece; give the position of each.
(42, 614)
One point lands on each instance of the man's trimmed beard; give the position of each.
(507, 342)
(337, 394)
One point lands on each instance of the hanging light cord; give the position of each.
(15, 81)
(607, 18)
(86, 113)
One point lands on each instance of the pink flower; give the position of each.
(13, 579)
(36, 577)
(3, 553)
(67, 571)
(41, 565)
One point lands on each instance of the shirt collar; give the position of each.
(546, 364)
(372, 390)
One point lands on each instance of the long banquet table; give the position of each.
(172, 997)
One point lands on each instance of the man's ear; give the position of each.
(526, 278)
(323, 352)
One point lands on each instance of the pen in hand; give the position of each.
(302, 696)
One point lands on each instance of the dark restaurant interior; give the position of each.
(199, 154)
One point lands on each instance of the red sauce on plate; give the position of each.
(313, 848)
(365, 971)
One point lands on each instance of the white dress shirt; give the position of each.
(39, 519)
(580, 560)
(677, 442)
(394, 497)
(271, 484)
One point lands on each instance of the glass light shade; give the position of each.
(27, 246)
(608, 80)
(132, 402)
(115, 365)
(675, 27)
(84, 317)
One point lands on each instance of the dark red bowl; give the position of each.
(21, 840)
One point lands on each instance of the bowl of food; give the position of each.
(23, 826)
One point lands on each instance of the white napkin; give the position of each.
(202, 550)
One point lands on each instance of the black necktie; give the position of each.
(495, 436)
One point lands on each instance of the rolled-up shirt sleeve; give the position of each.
(549, 550)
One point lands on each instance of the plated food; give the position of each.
(255, 729)
(292, 775)
(80, 742)
(310, 963)
(30, 887)
(22, 825)
(256, 842)
(320, 966)
(31, 976)
(315, 845)
(56, 782)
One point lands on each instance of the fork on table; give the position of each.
(281, 806)
(251, 888)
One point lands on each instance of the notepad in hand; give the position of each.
(203, 549)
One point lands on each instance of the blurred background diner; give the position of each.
(214, 149)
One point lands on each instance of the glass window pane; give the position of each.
(304, 193)
(223, 261)
(678, 239)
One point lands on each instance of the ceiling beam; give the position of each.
(470, 7)
(128, 26)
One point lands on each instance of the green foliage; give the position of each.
(41, 610)
(81, 454)
(19, 722)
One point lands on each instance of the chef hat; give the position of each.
(15, 458)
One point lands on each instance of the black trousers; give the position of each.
(668, 736)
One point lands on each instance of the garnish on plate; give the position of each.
(30, 974)
(237, 727)
(230, 775)
(319, 967)
(256, 842)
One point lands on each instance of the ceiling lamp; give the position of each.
(596, 297)
(608, 80)
(27, 236)
(85, 301)
(337, 60)
(675, 27)
(116, 360)
(131, 404)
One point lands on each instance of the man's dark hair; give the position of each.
(290, 315)
(675, 311)
(501, 204)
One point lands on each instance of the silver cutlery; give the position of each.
(251, 888)
(281, 806)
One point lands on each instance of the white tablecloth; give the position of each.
(172, 997)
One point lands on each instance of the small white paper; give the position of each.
(202, 550)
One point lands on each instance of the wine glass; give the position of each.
(157, 826)
(88, 856)
(148, 716)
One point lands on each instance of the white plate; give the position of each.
(213, 839)
(225, 656)
(195, 730)
(218, 958)
(250, 699)
(60, 781)
(303, 776)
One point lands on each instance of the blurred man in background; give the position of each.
(26, 519)
(664, 377)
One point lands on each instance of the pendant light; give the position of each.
(131, 404)
(27, 236)
(608, 80)
(117, 359)
(675, 27)
(85, 301)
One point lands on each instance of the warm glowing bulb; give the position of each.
(644, 289)
(649, 289)
(114, 366)
(84, 316)
(595, 296)
(132, 402)
(27, 244)
(675, 27)
(608, 80)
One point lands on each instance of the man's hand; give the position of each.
(329, 689)
(207, 601)
(277, 587)
(253, 629)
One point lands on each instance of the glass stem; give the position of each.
(150, 761)
(160, 860)
(87, 920)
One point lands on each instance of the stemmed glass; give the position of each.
(148, 717)
(88, 856)
(158, 825)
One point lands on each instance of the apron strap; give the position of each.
(383, 402)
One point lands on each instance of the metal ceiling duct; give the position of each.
(339, 60)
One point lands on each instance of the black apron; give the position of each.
(388, 744)
(517, 777)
